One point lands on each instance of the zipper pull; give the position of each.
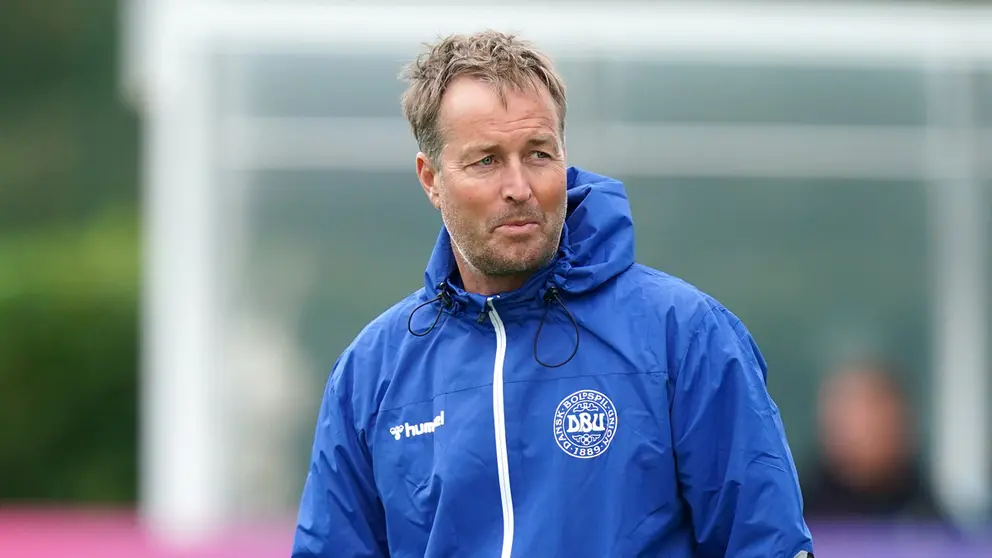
(489, 306)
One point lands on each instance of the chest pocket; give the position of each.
(405, 450)
(602, 437)
(430, 454)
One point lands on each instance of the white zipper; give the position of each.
(499, 417)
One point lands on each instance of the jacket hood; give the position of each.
(597, 243)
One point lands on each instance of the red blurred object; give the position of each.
(103, 533)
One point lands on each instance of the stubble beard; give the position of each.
(485, 258)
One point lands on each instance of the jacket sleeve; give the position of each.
(340, 515)
(735, 467)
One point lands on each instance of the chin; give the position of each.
(532, 262)
(516, 258)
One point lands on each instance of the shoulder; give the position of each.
(676, 301)
(364, 363)
(682, 313)
(388, 325)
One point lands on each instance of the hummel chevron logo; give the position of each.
(410, 430)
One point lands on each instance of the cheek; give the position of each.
(465, 206)
(552, 200)
(550, 188)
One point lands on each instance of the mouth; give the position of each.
(518, 226)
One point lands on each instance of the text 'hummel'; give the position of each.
(417, 429)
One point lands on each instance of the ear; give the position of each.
(430, 179)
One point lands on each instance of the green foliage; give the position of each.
(68, 257)
(68, 146)
(68, 318)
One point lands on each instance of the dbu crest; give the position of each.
(585, 423)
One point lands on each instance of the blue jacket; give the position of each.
(648, 430)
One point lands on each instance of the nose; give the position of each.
(515, 183)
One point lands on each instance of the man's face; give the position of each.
(501, 185)
(863, 426)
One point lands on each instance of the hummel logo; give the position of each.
(417, 429)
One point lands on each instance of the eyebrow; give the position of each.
(541, 140)
(480, 148)
(544, 140)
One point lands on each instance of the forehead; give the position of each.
(471, 109)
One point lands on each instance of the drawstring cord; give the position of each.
(446, 302)
(550, 297)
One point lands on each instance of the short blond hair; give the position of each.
(499, 59)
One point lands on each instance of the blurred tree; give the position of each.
(68, 257)
(68, 318)
(68, 146)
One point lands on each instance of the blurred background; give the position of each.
(201, 203)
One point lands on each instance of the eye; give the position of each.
(486, 161)
(542, 155)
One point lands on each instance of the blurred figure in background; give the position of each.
(868, 465)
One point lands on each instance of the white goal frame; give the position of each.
(184, 490)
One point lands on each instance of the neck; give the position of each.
(486, 286)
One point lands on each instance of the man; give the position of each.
(542, 395)
(868, 464)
